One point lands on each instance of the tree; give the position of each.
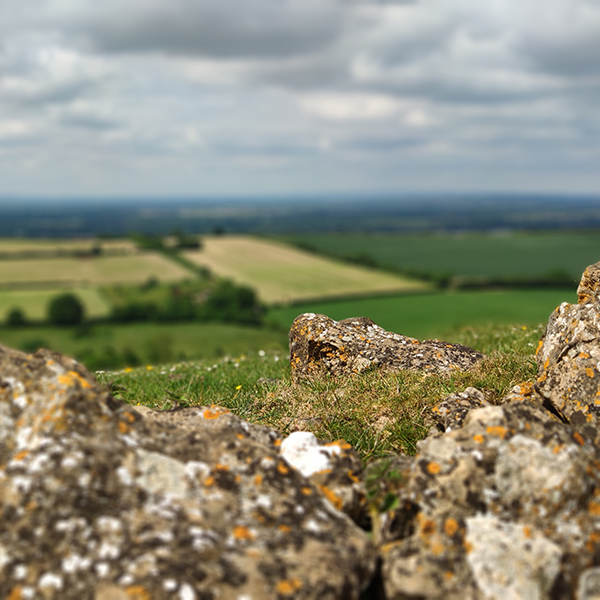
(16, 318)
(65, 309)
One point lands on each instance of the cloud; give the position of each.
(180, 94)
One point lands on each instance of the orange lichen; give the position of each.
(240, 436)
(222, 468)
(242, 533)
(214, 412)
(285, 528)
(594, 508)
(479, 439)
(15, 593)
(258, 479)
(283, 469)
(124, 428)
(277, 443)
(427, 527)
(578, 438)
(71, 377)
(332, 497)
(21, 455)
(209, 481)
(353, 477)
(433, 468)
(306, 491)
(138, 592)
(343, 444)
(527, 531)
(498, 431)
(287, 587)
(451, 526)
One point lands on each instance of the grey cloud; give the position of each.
(219, 29)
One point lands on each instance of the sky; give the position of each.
(148, 98)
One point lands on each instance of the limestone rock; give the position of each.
(101, 501)
(452, 411)
(506, 506)
(319, 344)
(568, 358)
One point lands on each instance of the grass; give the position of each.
(508, 254)
(433, 315)
(101, 345)
(102, 270)
(280, 273)
(377, 413)
(35, 302)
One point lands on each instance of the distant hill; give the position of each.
(401, 213)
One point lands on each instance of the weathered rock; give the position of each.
(452, 411)
(508, 506)
(101, 501)
(568, 357)
(319, 344)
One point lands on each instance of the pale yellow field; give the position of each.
(49, 272)
(281, 273)
(34, 303)
(10, 246)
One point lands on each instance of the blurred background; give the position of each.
(179, 180)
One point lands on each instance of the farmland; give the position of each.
(106, 345)
(34, 302)
(472, 254)
(281, 274)
(101, 270)
(436, 315)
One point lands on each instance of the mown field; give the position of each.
(98, 271)
(472, 254)
(281, 274)
(437, 315)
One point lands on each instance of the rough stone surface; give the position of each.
(508, 506)
(589, 286)
(452, 411)
(568, 358)
(101, 501)
(319, 344)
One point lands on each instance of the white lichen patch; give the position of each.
(302, 451)
(160, 474)
(50, 581)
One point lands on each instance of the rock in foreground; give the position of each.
(319, 344)
(100, 502)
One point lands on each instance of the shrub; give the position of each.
(16, 318)
(232, 303)
(65, 309)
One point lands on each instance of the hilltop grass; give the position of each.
(377, 413)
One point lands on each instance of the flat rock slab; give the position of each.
(99, 501)
(319, 344)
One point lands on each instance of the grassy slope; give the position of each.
(149, 340)
(377, 413)
(433, 315)
(281, 273)
(519, 254)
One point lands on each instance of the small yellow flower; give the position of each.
(128, 369)
(238, 387)
(149, 367)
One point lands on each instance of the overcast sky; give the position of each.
(251, 97)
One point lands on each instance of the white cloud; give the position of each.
(256, 96)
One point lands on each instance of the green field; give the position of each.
(508, 254)
(109, 346)
(34, 303)
(436, 315)
(281, 274)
